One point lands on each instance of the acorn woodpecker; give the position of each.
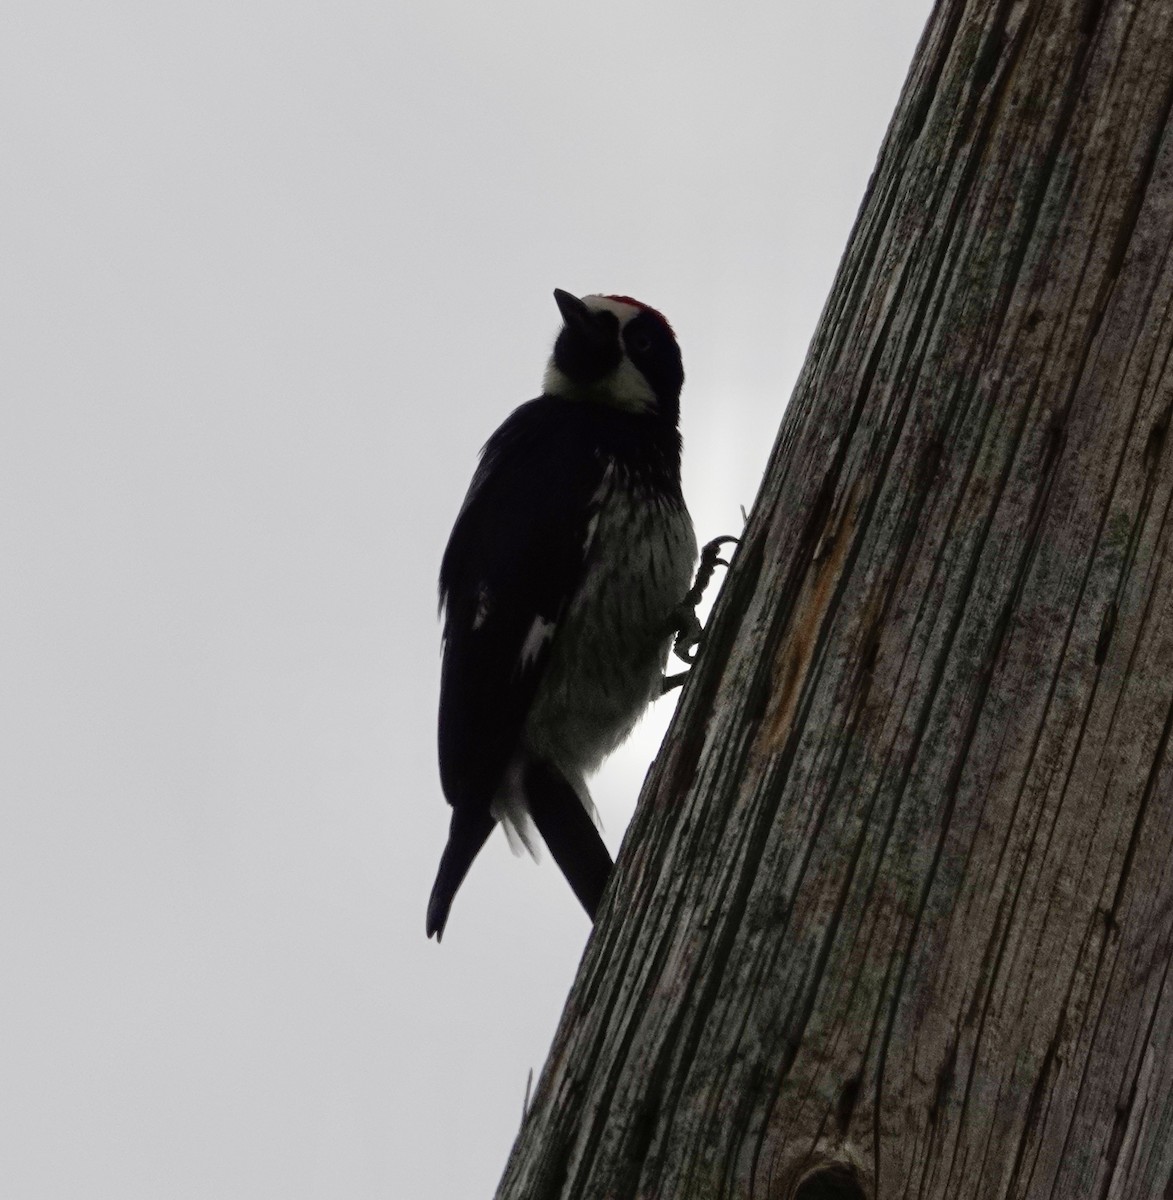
(561, 590)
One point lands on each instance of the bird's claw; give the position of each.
(710, 557)
(688, 635)
(685, 624)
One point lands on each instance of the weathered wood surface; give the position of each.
(899, 892)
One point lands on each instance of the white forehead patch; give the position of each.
(625, 387)
(620, 308)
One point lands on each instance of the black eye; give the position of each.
(640, 343)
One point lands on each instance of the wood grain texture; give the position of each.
(895, 914)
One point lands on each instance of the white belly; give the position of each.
(608, 654)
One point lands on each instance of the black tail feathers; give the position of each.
(466, 835)
(566, 827)
(562, 820)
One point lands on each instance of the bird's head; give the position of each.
(614, 350)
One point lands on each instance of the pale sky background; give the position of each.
(269, 276)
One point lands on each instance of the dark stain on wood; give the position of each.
(1053, 441)
(643, 1129)
(929, 462)
(944, 1082)
(1034, 1107)
(845, 1105)
(1116, 1139)
(1107, 627)
(1156, 440)
(987, 60)
(871, 651)
(1090, 17)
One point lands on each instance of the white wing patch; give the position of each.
(540, 632)
(595, 505)
(602, 491)
(482, 606)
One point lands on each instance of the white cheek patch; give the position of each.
(624, 388)
(554, 383)
(627, 388)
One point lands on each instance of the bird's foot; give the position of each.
(668, 682)
(685, 624)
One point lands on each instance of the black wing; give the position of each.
(514, 559)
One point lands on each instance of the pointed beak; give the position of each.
(583, 322)
(573, 311)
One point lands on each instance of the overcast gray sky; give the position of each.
(270, 274)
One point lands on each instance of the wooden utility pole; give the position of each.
(895, 914)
